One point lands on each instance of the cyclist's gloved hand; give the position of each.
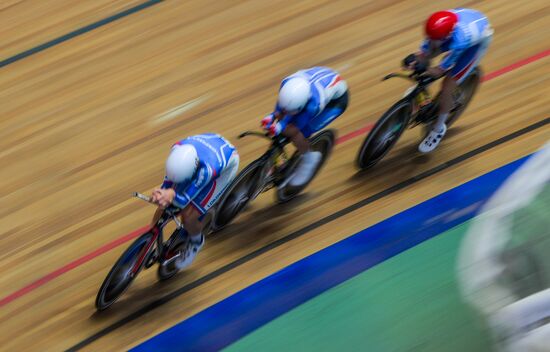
(272, 127)
(163, 197)
(267, 121)
(409, 61)
(420, 67)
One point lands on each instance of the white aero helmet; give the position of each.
(182, 163)
(294, 95)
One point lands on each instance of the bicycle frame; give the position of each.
(275, 151)
(421, 81)
(170, 213)
(277, 143)
(418, 96)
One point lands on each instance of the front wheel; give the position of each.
(322, 142)
(384, 134)
(124, 271)
(242, 190)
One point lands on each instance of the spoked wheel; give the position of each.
(322, 142)
(243, 189)
(464, 95)
(124, 271)
(384, 134)
(175, 245)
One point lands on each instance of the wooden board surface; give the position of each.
(85, 123)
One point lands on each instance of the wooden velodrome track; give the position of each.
(86, 122)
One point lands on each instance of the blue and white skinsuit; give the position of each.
(328, 100)
(466, 46)
(218, 166)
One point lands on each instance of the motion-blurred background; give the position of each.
(94, 92)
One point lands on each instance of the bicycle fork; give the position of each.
(145, 252)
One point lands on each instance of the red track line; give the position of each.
(101, 250)
(72, 265)
(516, 65)
(354, 134)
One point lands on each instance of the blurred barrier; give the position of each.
(503, 265)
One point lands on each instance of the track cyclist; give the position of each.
(308, 101)
(464, 34)
(198, 170)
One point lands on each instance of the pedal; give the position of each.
(281, 183)
(172, 259)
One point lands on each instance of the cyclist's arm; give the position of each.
(205, 174)
(166, 183)
(445, 65)
(450, 59)
(435, 71)
(281, 119)
(425, 52)
(299, 120)
(283, 122)
(428, 52)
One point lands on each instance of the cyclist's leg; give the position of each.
(212, 192)
(294, 133)
(223, 181)
(470, 60)
(303, 126)
(193, 214)
(439, 128)
(311, 159)
(464, 66)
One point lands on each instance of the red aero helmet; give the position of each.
(440, 24)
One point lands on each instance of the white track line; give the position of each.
(179, 110)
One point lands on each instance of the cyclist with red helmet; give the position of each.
(463, 34)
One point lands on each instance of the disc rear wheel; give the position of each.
(242, 190)
(464, 95)
(322, 142)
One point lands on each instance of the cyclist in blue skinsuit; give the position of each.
(464, 34)
(198, 170)
(308, 101)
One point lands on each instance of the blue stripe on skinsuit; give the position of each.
(326, 117)
(229, 320)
